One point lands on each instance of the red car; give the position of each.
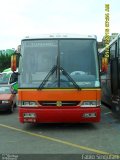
(7, 98)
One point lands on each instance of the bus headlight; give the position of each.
(27, 104)
(90, 103)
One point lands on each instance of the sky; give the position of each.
(21, 18)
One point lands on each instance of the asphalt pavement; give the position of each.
(97, 138)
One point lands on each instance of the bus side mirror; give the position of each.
(104, 67)
(13, 62)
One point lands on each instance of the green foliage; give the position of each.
(5, 61)
(9, 51)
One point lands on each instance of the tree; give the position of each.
(5, 61)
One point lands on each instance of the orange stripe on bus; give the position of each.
(61, 95)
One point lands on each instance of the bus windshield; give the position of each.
(77, 57)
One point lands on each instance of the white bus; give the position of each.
(110, 76)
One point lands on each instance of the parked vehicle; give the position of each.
(10, 78)
(110, 75)
(7, 98)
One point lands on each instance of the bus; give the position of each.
(59, 79)
(110, 76)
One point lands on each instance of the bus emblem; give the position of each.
(59, 103)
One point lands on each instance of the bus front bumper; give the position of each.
(77, 115)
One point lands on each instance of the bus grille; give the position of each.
(62, 103)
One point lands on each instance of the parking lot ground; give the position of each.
(97, 138)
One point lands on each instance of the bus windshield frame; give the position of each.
(78, 57)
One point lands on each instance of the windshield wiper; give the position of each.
(54, 68)
(64, 72)
(50, 73)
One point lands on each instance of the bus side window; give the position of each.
(113, 51)
(119, 47)
(119, 64)
(100, 63)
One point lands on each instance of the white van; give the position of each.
(7, 78)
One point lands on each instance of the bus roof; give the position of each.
(63, 36)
